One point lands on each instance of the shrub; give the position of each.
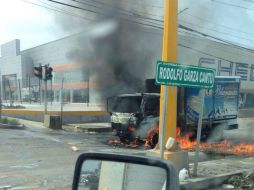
(4, 120)
(13, 122)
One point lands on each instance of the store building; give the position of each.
(18, 81)
(20, 84)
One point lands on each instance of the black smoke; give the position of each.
(120, 58)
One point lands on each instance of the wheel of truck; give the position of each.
(125, 140)
(152, 137)
(155, 139)
(122, 139)
(114, 127)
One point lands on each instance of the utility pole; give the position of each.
(44, 77)
(51, 97)
(0, 99)
(88, 88)
(40, 90)
(29, 88)
(167, 123)
(10, 93)
(61, 101)
(20, 95)
(45, 98)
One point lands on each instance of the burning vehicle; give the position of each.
(136, 116)
(133, 115)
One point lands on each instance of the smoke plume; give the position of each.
(117, 52)
(119, 55)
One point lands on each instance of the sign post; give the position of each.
(172, 74)
(162, 131)
(200, 116)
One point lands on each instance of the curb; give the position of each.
(7, 126)
(87, 129)
(208, 182)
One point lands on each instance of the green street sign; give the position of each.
(172, 74)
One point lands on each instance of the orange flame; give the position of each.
(223, 147)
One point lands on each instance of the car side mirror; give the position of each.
(103, 171)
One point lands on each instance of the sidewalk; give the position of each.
(84, 127)
(216, 172)
(55, 106)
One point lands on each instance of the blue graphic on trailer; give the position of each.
(219, 103)
(193, 101)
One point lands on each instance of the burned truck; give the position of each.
(136, 116)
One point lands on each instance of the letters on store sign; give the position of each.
(244, 70)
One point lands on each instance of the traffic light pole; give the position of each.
(44, 73)
(45, 98)
(40, 90)
(51, 94)
(61, 101)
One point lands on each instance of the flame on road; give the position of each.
(223, 147)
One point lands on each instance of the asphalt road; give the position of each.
(245, 132)
(40, 158)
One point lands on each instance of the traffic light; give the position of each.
(38, 72)
(49, 73)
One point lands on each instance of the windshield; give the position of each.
(127, 104)
(151, 105)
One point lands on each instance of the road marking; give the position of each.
(27, 166)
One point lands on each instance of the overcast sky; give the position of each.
(231, 20)
(33, 24)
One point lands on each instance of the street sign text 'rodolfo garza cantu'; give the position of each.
(172, 74)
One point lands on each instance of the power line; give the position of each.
(160, 27)
(135, 10)
(64, 11)
(217, 24)
(73, 6)
(225, 33)
(232, 5)
(128, 3)
(148, 18)
(181, 45)
(211, 55)
(185, 9)
(214, 48)
(58, 10)
(87, 4)
(121, 10)
(216, 38)
(251, 1)
(203, 52)
(78, 16)
(104, 14)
